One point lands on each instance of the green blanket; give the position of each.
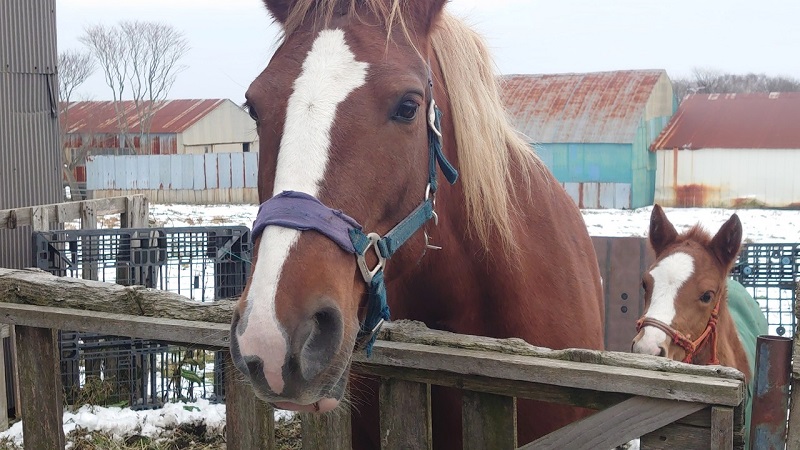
(750, 323)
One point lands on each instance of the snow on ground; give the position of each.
(760, 225)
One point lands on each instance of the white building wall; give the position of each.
(728, 178)
(223, 130)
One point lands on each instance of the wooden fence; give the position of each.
(672, 405)
(133, 212)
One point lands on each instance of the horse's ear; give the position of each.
(279, 9)
(728, 240)
(662, 233)
(422, 14)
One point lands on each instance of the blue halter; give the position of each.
(300, 211)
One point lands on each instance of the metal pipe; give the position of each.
(770, 393)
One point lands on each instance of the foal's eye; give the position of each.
(251, 110)
(707, 296)
(407, 111)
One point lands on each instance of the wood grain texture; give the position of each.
(249, 422)
(489, 421)
(192, 333)
(63, 212)
(36, 287)
(665, 385)
(677, 436)
(405, 412)
(329, 431)
(616, 425)
(41, 395)
(721, 428)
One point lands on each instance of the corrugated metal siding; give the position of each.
(173, 172)
(741, 121)
(28, 36)
(574, 163)
(728, 178)
(603, 107)
(30, 161)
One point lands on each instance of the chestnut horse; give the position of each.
(352, 144)
(693, 311)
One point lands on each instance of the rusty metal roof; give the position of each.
(600, 107)
(758, 120)
(171, 116)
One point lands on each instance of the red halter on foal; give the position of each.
(678, 338)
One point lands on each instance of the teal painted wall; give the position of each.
(609, 163)
(576, 163)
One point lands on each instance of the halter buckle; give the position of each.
(432, 119)
(361, 259)
(363, 339)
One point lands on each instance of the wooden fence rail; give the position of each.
(133, 213)
(669, 404)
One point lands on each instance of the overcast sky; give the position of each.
(231, 40)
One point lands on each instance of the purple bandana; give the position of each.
(300, 211)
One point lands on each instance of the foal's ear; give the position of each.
(662, 233)
(728, 240)
(422, 14)
(279, 9)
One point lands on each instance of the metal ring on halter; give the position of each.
(364, 339)
(361, 259)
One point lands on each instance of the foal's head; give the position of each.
(685, 287)
(341, 111)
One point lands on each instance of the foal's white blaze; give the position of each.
(668, 277)
(330, 73)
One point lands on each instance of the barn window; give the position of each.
(245, 147)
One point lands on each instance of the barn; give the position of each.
(594, 130)
(731, 150)
(93, 128)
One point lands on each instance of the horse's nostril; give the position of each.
(662, 351)
(320, 337)
(255, 367)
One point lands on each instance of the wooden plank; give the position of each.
(405, 415)
(488, 421)
(3, 397)
(211, 170)
(721, 428)
(513, 388)
(41, 394)
(250, 423)
(616, 425)
(793, 433)
(237, 170)
(597, 377)
(251, 170)
(199, 172)
(224, 170)
(677, 436)
(137, 209)
(329, 431)
(63, 211)
(213, 335)
(39, 288)
(40, 221)
(88, 245)
(417, 333)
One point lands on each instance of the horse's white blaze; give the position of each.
(668, 277)
(330, 73)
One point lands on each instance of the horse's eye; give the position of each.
(407, 111)
(251, 110)
(707, 296)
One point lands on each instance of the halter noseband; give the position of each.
(300, 211)
(691, 347)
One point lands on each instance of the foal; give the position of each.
(693, 311)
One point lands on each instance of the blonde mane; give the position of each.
(490, 150)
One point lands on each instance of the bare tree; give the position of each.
(709, 81)
(74, 67)
(141, 61)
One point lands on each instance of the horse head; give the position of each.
(685, 288)
(349, 151)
